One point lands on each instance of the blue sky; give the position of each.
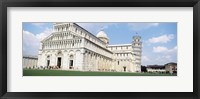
(159, 39)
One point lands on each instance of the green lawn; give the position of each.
(29, 72)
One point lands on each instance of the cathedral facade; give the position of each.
(71, 47)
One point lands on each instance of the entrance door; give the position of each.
(71, 64)
(48, 62)
(124, 68)
(59, 62)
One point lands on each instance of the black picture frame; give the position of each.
(99, 3)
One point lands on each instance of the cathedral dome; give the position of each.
(102, 34)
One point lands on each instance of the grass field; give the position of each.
(29, 72)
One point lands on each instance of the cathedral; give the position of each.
(71, 47)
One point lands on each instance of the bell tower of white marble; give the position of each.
(137, 50)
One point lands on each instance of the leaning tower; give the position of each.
(137, 52)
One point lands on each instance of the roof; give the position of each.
(30, 57)
(156, 66)
(120, 45)
(89, 32)
(102, 34)
(171, 63)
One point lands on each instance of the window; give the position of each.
(118, 62)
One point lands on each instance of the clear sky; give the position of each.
(159, 39)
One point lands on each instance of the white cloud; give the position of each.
(141, 26)
(31, 41)
(38, 24)
(172, 51)
(159, 49)
(145, 59)
(161, 39)
(95, 27)
(165, 54)
(160, 59)
(164, 59)
(162, 49)
(44, 34)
